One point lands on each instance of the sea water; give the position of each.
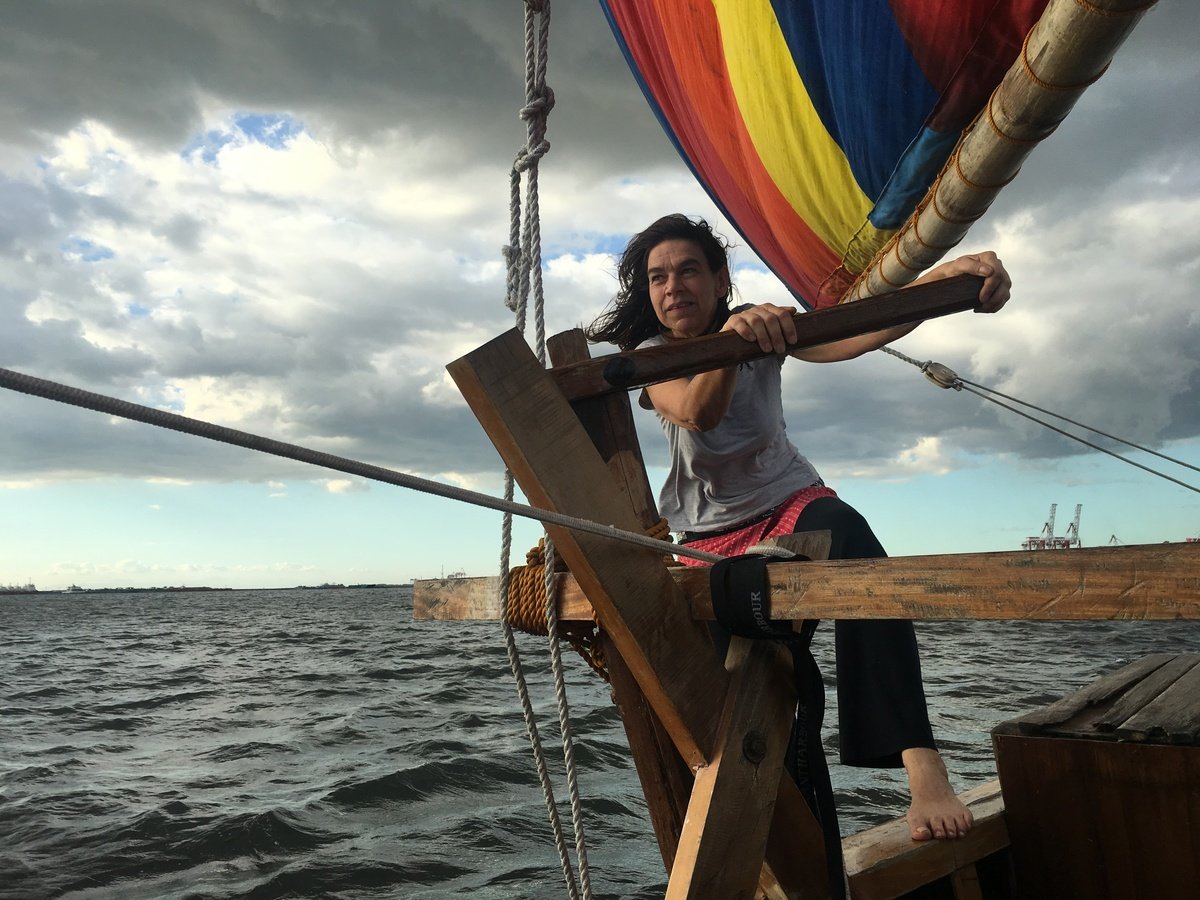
(322, 743)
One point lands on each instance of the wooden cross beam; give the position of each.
(1151, 582)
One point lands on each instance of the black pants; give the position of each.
(881, 701)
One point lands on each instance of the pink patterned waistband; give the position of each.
(781, 521)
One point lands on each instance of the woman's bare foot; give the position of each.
(936, 811)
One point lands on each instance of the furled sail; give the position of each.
(819, 127)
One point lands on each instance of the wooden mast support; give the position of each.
(666, 780)
(637, 602)
(1149, 582)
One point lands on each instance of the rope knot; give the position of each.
(539, 104)
(528, 157)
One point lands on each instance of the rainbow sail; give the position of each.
(818, 126)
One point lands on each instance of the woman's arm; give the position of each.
(773, 327)
(697, 403)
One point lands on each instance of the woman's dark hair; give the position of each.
(630, 319)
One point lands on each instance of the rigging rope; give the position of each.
(523, 257)
(73, 396)
(945, 377)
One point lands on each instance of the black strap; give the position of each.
(738, 585)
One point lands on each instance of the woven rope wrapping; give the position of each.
(526, 609)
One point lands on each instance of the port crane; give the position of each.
(1047, 539)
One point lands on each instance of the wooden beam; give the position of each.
(1147, 582)
(745, 804)
(885, 862)
(636, 601)
(638, 368)
(725, 833)
(666, 780)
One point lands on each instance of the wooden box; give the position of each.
(1102, 788)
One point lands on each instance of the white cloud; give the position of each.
(346, 485)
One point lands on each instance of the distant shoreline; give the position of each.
(9, 592)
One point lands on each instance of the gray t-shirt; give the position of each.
(740, 469)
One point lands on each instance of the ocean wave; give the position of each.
(248, 750)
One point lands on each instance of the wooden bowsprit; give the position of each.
(742, 806)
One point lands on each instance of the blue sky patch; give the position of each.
(85, 249)
(274, 130)
(208, 145)
(137, 311)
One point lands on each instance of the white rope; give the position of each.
(523, 257)
(531, 729)
(564, 719)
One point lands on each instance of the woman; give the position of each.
(736, 479)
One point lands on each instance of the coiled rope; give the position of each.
(526, 609)
(947, 378)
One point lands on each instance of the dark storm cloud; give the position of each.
(344, 355)
(451, 70)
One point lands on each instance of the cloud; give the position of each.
(287, 218)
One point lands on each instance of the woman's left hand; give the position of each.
(997, 285)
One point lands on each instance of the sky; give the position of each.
(287, 218)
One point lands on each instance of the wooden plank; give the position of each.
(666, 781)
(1173, 717)
(1117, 717)
(637, 368)
(1148, 582)
(725, 833)
(1156, 581)
(458, 598)
(885, 862)
(1100, 691)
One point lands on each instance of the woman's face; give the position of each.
(684, 291)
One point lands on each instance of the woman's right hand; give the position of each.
(772, 327)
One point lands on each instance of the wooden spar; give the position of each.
(637, 368)
(1150, 582)
(636, 601)
(1070, 47)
